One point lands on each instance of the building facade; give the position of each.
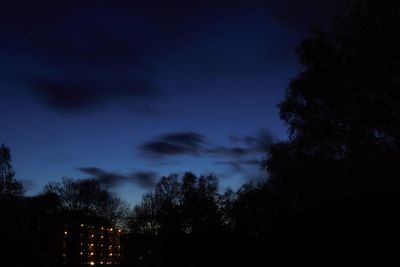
(92, 245)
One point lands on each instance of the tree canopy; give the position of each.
(88, 197)
(186, 205)
(343, 110)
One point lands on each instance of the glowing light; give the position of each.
(91, 253)
(92, 245)
(65, 233)
(92, 263)
(119, 231)
(110, 254)
(81, 253)
(81, 225)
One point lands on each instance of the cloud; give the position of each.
(259, 142)
(174, 144)
(242, 156)
(191, 143)
(144, 179)
(239, 165)
(246, 145)
(89, 53)
(73, 56)
(77, 95)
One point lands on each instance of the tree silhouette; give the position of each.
(9, 186)
(337, 176)
(179, 219)
(343, 110)
(89, 198)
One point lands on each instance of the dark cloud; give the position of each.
(85, 54)
(144, 179)
(239, 165)
(79, 95)
(246, 145)
(174, 144)
(191, 143)
(74, 56)
(65, 96)
(259, 142)
(189, 139)
(244, 155)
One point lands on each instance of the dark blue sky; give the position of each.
(128, 91)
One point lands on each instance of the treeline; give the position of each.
(184, 221)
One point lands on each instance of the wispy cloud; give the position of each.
(144, 179)
(174, 144)
(244, 152)
(77, 95)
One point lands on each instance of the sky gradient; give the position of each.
(129, 91)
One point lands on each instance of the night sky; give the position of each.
(128, 91)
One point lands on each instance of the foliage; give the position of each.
(9, 186)
(343, 111)
(89, 197)
(189, 205)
